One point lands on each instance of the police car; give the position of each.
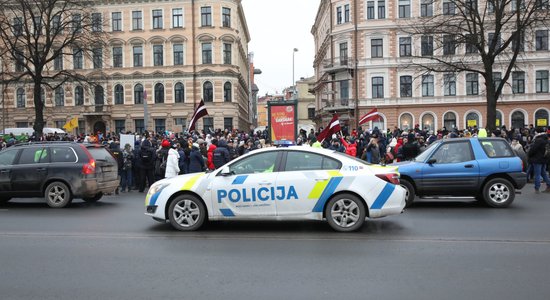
(294, 183)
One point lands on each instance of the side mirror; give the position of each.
(432, 161)
(226, 172)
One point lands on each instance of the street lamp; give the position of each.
(293, 82)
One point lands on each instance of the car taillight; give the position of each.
(389, 177)
(89, 168)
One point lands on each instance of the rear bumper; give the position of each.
(91, 188)
(519, 178)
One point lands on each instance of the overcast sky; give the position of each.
(276, 28)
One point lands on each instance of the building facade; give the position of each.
(361, 50)
(163, 57)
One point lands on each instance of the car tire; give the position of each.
(409, 191)
(345, 213)
(4, 200)
(93, 198)
(58, 195)
(499, 193)
(186, 213)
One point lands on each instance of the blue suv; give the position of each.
(485, 168)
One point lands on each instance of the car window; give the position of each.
(63, 154)
(259, 163)
(496, 148)
(100, 153)
(7, 157)
(305, 161)
(33, 156)
(453, 153)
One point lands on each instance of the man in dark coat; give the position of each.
(539, 161)
(221, 154)
(147, 166)
(196, 160)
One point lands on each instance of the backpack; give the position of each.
(160, 166)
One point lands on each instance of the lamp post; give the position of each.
(293, 82)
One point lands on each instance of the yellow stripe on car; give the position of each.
(191, 182)
(320, 186)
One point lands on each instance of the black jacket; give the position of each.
(221, 154)
(537, 149)
(196, 161)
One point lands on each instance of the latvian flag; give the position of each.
(370, 116)
(199, 113)
(333, 127)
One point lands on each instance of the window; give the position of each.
(518, 82)
(428, 121)
(343, 54)
(208, 92)
(78, 96)
(405, 83)
(303, 161)
(37, 25)
(138, 56)
(77, 59)
(206, 53)
(406, 121)
(370, 10)
(116, 21)
(137, 20)
(208, 124)
(17, 26)
(226, 17)
(19, 61)
(376, 48)
(495, 40)
(542, 81)
(427, 85)
(178, 54)
(177, 17)
(180, 122)
(449, 120)
(346, 13)
(405, 48)
(59, 97)
(179, 93)
(58, 62)
(470, 6)
(378, 87)
(158, 56)
(449, 84)
(426, 8)
(541, 40)
(160, 125)
(7, 157)
(518, 120)
(339, 15)
(226, 53)
(228, 123)
(227, 92)
(448, 8)
(76, 23)
(404, 8)
(472, 84)
(157, 19)
(21, 124)
(33, 155)
(472, 119)
(139, 125)
(449, 44)
(119, 94)
(20, 98)
(311, 113)
(159, 93)
(497, 78)
(258, 163)
(498, 119)
(138, 94)
(99, 96)
(490, 7)
(206, 16)
(120, 126)
(381, 9)
(497, 148)
(427, 45)
(56, 25)
(471, 43)
(62, 155)
(97, 58)
(97, 22)
(344, 92)
(453, 153)
(117, 57)
(541, 117)
(519, 46)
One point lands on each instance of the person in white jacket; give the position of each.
(172, 162)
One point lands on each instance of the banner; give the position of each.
(542, 122)
(370, 116)
(472, 123)
(283, 122)
(333, 127)
(199, 113)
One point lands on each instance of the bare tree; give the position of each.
(37, 35)
(482, 38)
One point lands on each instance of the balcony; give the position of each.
(337, 64)
(95, 110)
(338, 105)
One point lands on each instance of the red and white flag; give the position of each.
(370, 116)
(199, 113)
(333, 127)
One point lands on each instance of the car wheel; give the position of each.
(187, 213)
(93, 198)
(58, 195)
(345, 212)
(410, 193)
(499, 192)
(4, 200)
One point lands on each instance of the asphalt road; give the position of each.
(444, 249)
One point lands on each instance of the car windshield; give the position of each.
(352, 157)
(424, 155)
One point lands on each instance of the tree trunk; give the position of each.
(490, 124)
(38, 109)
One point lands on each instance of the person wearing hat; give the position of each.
(162, 157)
(172, 162)
(196, 161)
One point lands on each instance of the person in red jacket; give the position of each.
(351, 148)
(396, 148)
(211, 148)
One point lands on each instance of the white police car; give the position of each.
(294, 183)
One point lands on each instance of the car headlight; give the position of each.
(156, 187)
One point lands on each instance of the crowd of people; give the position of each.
(154, 156)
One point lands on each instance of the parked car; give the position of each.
(484, 168)
(57, 171)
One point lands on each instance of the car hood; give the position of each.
(407, 166)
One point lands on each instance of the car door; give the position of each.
(453, 171)
(30, 171)
(250, 190)
(305, 178)
(7, 158)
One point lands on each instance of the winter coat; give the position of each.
(221, 155)
(183, 162)
(351, 148)
(196, 161)
(172, 163)
(210, 162)
(537, 149)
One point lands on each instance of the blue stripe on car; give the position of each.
(329, 190)
(226, 212)
(383, 196)
(240, 179)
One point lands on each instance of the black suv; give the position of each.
(57, 171)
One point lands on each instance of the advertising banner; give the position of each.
(282, 120)
(542, 122)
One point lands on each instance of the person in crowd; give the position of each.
(410, 148)
(539, 160)
(172, 162)
(117, 154)
(351, 147)
(183, 151)
(162, 158)
(211, 148)
(147, 156)
(196, 160)
(373, 150)
(231, 149)
(126, 172)
(221, 154)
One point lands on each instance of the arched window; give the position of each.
(20, 97)
(59, 96)
(472, 119)
(406, 121)
(518, 119)
(428, 121)
(449, 120)
(227, 92)
(159, 93)
(498, 121)
(43, 96)
(119, 94)
(541, 118)
(208, 92)
(138, 94)
(179, 93)
(78, 96)
(99, 95)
